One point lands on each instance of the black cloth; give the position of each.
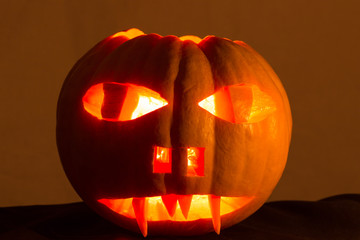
(336, 217)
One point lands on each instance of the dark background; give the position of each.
(312, 45)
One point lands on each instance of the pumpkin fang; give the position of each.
(165, 207)
(185, 203)
(170, 201)
(140, 207)
(214, 204)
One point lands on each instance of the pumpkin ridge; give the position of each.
(184, 94)
(213, 160)
(215, 189)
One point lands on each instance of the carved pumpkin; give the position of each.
(173, 136)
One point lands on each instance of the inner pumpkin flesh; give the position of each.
(178, 208)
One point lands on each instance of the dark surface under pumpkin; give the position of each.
(207, 158)
(334, 218)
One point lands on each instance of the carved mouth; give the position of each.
(165, 208)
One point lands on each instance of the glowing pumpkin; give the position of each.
(173, 136)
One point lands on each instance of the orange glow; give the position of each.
(239, 103)
(140, 210)
(140, 101)
(262, 105)
(215, 203)
(121, 102)
(130, 33)
(209, 104)
(165, 208)
(219, 104)
(162, 160)
(195, 161)
(192, 38)
(93, 100)
(170, 201)
(200, 207)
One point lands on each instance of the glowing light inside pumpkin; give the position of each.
(209, 104)
(239, 103)
(190, 208)
(200, 207)
(147, 101)
(192, 38)
(113, 101)
(130, 33)
(162, 160)
(195, 161)
(93, 100)
(194, 157)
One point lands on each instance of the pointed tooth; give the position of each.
(140, 209)
(185, 203)
(170, 201)
(214, 203)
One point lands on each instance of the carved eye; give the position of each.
(113, 101)
(239, 104)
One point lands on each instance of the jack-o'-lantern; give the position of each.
(173, 136)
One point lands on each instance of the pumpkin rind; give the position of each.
(106, 159)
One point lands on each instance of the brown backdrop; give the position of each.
(312, 45)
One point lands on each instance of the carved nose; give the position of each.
(183, 161)
(195, 161)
